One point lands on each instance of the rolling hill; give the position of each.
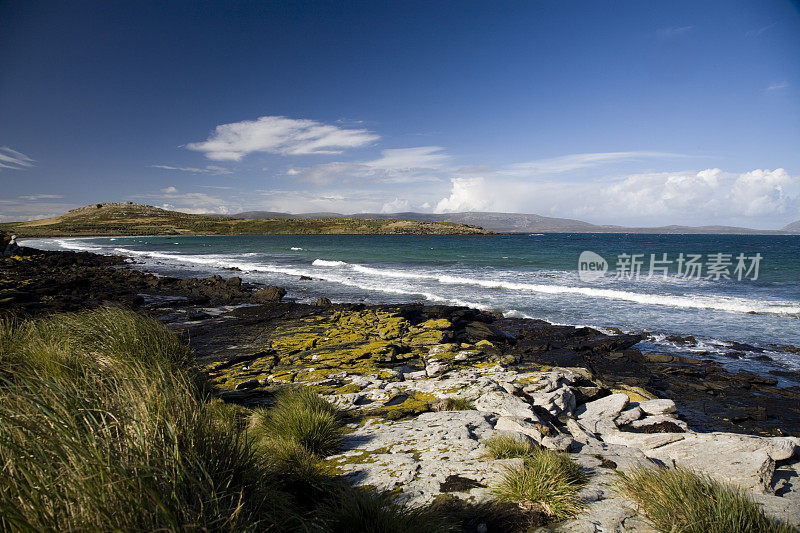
(137, 219)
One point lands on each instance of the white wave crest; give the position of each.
(326, 263)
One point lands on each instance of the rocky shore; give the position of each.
(424, 387)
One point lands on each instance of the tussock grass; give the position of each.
(677, 499)
(547, 481)
(508, 447)
(104, 426)
(452, 404)
(299, 418)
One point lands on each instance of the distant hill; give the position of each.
(137, 219)
(794, 227)
(528, 223)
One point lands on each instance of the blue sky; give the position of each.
(623, 112)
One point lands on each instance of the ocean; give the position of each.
(721, 289)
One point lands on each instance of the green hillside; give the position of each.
(137, 219)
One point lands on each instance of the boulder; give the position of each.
(322, 302)
(436, 368)
(558, 402)
(599, 415)
(504, 404)
(269, 294)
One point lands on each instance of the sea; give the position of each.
(720, 289)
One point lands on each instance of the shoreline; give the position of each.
(111, 280)
(424, 386)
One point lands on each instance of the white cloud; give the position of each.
(17, 210)
(776, 86)
(759, 31)
(326, 173)
(396, 206)
(572, 162)
(468, 194)
(14, 160)
(710, 196)
(421, 157)
(395, 166)
(34, 197)
(208, 169)
(190, 202)
(674, 31)
(279, 135)
(306, 201)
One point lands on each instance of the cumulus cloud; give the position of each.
(14, 160)
(468, 194)
(279, 135)
(169, 190)
(707, 196)
(208, 169)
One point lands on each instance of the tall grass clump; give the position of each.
(299, 418)
(508, 447)
(547, 482)
(452, 404)
(104, 426)
(677, 499)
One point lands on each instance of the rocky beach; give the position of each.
(423, 388)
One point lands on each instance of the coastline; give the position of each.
(70, 281)
(392, 367)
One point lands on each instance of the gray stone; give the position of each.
(598, 416)
(557, 402)
(558, 442)
(628, 415)
(658, 406)
(520, 425)
(436, 368)
(504, 404)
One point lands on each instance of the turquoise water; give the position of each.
(520, 275)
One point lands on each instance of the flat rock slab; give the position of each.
(418, 456)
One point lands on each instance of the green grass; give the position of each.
(452, 404)
(104, 426)
(547, 482)
(677, 499)
(507, 447)
(299, 418)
